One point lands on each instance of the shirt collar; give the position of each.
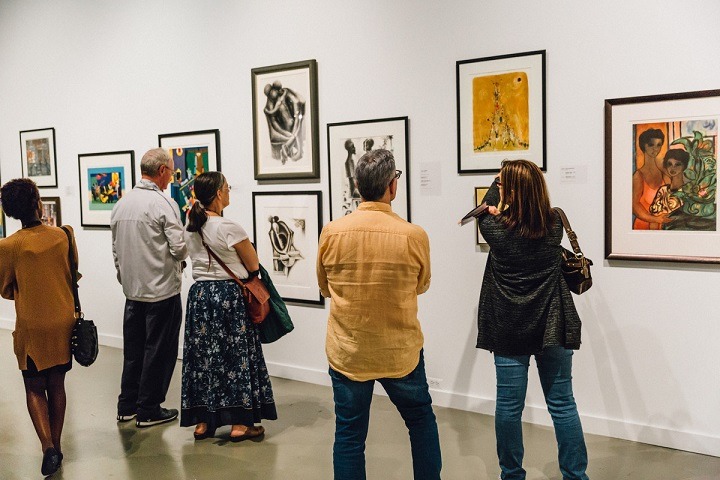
(149, 184)
(375, 206)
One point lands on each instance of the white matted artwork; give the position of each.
(104, 179)
(287, 227)
(347, 142)
(38, 159)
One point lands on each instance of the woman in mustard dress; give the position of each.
(35, 273)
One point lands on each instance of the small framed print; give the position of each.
(661, 177)
(500, 111)
(287, 228)
(347, 142)
(104, 179)
(51, 211)
(285, 121)
(479, 195)
(37, 156)
(193, 153)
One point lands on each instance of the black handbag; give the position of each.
(575, 266)
(84, 339)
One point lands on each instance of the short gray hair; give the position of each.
(152, 160)
(374, 172)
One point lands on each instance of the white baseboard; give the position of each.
(679, 440)
(688, 441)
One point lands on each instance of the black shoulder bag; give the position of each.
(84, 340)
(575, 266)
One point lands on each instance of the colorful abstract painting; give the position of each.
(189, 163)
(501, 112)
(105, 187)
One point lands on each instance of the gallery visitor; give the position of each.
(525, 310)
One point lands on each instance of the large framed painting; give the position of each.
(37, 156)
(347, 142)
(193, 153)
(500, 111)
(104, 179)
(661, 177)
(287, 228)
(285, 121)
(51, 211)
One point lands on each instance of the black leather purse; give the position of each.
(575, 266)
(84, 339)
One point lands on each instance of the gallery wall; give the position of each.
(113, 75)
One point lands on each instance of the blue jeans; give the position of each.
(352, 414)
(555, 368)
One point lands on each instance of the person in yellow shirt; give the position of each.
(372, 264)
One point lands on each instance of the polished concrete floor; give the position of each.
(297, 446)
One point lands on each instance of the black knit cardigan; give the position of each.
(525, 305)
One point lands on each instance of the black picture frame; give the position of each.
(99, 194)
(52, 213)
(487, 87)
(38, 156)
(389, 133)
(180, 146)
(687, 121)
(279, 144)
(287, 228)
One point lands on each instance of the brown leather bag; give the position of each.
(256, 295)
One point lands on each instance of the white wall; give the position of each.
(113, 75)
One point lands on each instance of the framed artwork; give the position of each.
(287, 228)
(104, 178)
(193, 154)
(37, 156)
(479, 195)
(500, 111)
(285, 121)
(661, 177)
(51, 211)
(347, 142)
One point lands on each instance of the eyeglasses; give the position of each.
(227, 188)
(397, 174)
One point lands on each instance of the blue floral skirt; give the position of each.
(224, 378)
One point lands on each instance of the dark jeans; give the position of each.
(555, 368)
(352, 415)
(151, 331)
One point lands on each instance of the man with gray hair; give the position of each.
(148, 248)
(372, 264)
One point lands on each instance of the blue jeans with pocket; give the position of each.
(555, 368)
(352, 415)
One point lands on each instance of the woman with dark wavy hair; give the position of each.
(35, 272)
(224, 380)
(526, 310)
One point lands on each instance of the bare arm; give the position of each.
(638, 210)
(248, 255)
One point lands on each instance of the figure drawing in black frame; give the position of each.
(282, 241)
(351, 195)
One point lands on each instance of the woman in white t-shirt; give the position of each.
(224, 379)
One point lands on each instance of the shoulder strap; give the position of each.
(572, 236)
(73, 273)
(217, 259)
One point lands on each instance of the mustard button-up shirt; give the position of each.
(372, 264)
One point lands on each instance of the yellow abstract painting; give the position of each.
(501, 112)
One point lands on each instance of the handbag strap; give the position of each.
(73, 274)
(222, 264)
(572, 236)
